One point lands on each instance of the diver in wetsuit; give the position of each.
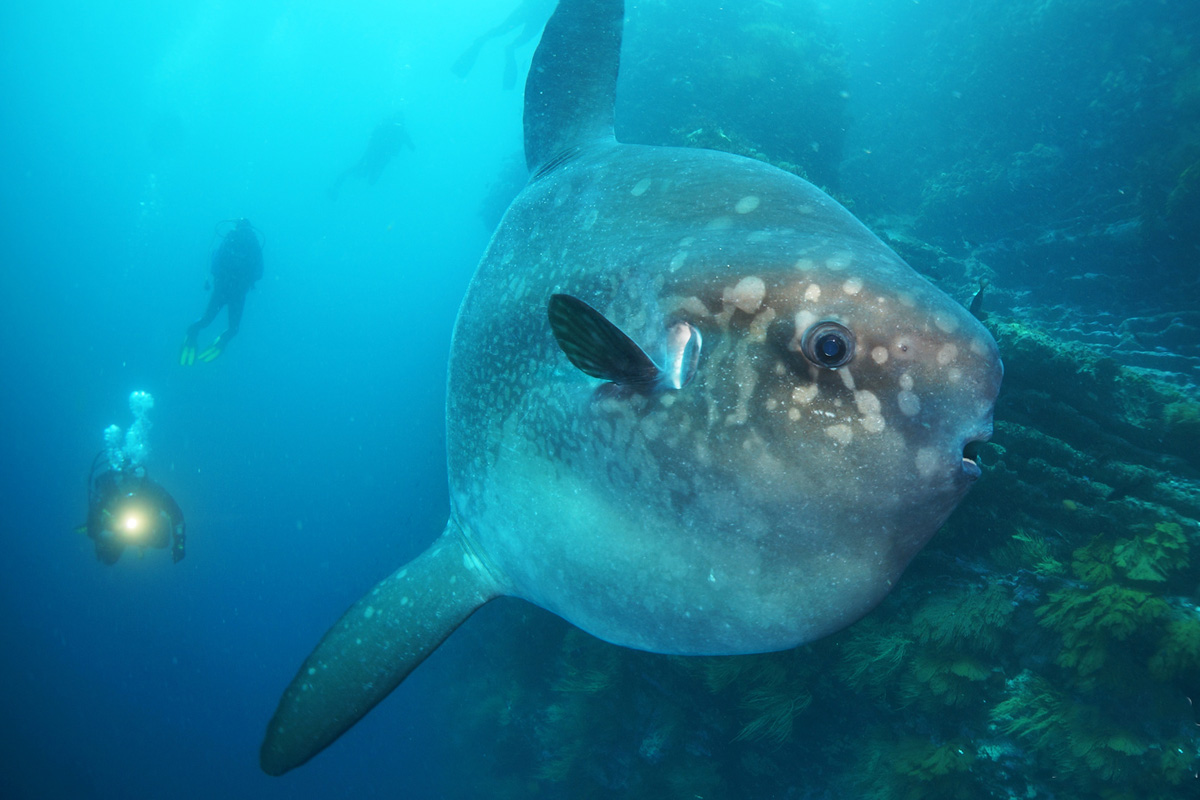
(386, 141)
(126, 508)
(530, 16)
(236, 265)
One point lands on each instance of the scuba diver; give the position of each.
(386, 140)
(236, 265)
(530, 16)
(125, 507)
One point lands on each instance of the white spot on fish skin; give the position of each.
(687, 242)
(979, 348)
(839, 260)
(906, 382)
(368, 612)
(926, 461)
(640, 187)
(945, 322)
(879, 355)
(758, 328)
(772, 404)
(906, 300)
(910, 404)
(841, 433)
(868, 403)
(873, 423)
(794, 414)
(758, 237)
(694, 306)
(746, 204)
(803, 395)
(590, 220)
(947, 355)
(678, 260)
(719, 224)
(804, 264)
(852, 287)
(813, 293)
(401, 573)
(403, 601)
(804, 320)
(748, 294)
(312, 670)
(847, 378)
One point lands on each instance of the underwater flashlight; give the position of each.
(132, 522)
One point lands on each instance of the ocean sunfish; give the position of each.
(694, 407)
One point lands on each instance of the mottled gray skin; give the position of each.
(770, 501)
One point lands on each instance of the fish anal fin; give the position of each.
(373, 647)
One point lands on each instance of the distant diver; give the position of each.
(125, 507)
(386, 141)
(530, 16)
(236, 265)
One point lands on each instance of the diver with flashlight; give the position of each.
(125, 507)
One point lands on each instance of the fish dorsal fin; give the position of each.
(572, 83)
(599, 348)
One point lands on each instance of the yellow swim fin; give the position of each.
(213, 351)
(187, 353)
(211, 354)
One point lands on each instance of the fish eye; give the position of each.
(828, 344)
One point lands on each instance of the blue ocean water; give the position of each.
(309, 459)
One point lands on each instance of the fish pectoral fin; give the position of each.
(373, 647)
(598, 347)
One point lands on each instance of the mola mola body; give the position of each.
(694, 407)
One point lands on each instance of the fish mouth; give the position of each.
(970, 454)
